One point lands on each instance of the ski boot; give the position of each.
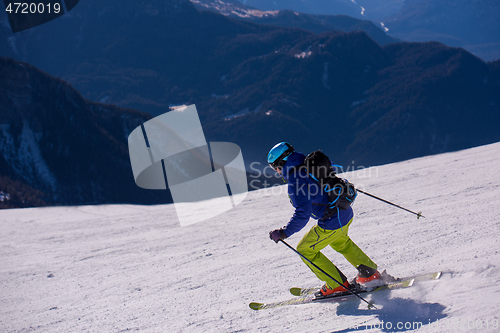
(369, 278)
(327, 291)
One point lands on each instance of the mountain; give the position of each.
(328, 7)
(136, 56)
(256, 85)
(372, 104)
(377, 10)
(58, 148)
(473, 25)
(126, 268)
(362, 9)
(288, 18)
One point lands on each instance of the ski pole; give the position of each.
(370, 304)
(419, 214)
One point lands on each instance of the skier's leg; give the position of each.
(311, 245)
(345, 246)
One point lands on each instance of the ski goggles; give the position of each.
(278, 163)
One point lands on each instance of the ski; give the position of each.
(310, 298)
(423, 277)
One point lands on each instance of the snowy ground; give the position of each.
(133, 268)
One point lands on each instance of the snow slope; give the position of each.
(133, 268)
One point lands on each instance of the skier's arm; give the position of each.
(298, 192)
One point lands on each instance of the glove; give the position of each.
(276, 235)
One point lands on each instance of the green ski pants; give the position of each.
(318, 238)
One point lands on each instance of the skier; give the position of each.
(309, 200)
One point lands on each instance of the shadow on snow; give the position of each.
(392, 315)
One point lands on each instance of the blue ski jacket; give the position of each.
(303, 192)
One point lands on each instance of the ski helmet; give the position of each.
(279, 154)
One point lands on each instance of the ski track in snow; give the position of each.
(116, 268)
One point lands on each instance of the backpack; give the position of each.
(341, 193)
